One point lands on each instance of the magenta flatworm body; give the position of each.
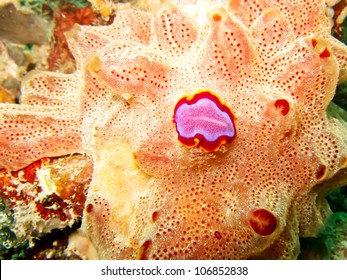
(204, 121)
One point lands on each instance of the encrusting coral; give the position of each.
(205, 123)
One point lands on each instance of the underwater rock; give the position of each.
(20, 28)
(48, 194)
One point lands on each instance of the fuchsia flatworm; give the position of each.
(202, 120)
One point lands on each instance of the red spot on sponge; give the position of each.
(325, 54)
(144, 248)
(217, 235)
(321, 171)
(283, 106)
(314, 42)
(263, 222)
(89, 208)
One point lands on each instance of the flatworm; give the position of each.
(204, 121)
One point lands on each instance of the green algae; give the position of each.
(335, 236)
(344, 31)
(8, 239)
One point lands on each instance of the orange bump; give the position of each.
(217, 17)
